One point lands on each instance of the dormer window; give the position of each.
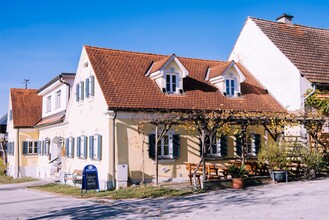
(171, 83)
(168, 74)
(229, 87)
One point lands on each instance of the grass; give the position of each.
(137, 192)
(11, 180)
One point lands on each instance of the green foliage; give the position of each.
(2, 168)
(275, 155)
(318, 100)
(11, 180)
(237, 171)
(311, 159)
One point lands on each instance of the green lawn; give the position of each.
(144, 191)
(10, 180)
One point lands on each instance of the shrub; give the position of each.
(274, 155)
(312, 160)
(237, 171)
(2, 168)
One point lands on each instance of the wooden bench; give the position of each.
(76, 176)
(212, 172)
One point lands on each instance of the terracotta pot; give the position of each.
(237, 183)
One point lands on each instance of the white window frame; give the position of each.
(58, 99)
(251, 147)
(173, 86)
(48, 103)
(47, 147)
(33, 146)
(229, 89)
(170, 144)
(82, 147)
(217, 144)
(71, 144)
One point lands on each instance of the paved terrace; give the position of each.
(295, 200)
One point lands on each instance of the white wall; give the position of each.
(272, 68)
(88, 117)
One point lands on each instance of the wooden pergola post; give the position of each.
(156, 156)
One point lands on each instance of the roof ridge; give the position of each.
(152, 54)
(299, 25)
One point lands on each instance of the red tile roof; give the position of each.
(26, 107)
(121, 75)
(218, 70)
(157, 65)
(306, 47)
(53, 119)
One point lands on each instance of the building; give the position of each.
(114, 90)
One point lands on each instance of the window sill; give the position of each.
(214, 158)
(165, 160)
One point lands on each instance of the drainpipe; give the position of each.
(17, 139)
(62, 81)
(113, 144)
(311, 93)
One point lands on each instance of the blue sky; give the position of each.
(41, 39)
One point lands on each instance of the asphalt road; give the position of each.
(296, 200)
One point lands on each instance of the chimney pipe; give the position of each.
(285, 18)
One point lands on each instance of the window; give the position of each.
(230, 88)
(90, 86)
(82, 147)
(168, 146)
(30, 147)
(95, 147)
(48, 104)
(218, 146)
(69, 147)
(46, 147)
(253, 144)
(58, 99)
(79, 91)
(171, 83)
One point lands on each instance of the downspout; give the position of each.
(62, 81)
(18, 169)
(114, 152)
(311, 93)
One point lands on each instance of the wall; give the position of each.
(272, 68)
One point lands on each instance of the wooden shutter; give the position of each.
(87, 87)
(82, 89)
(85, 147)
(78, 146)
(152, 146)
(99, 147)
(25, 147)
(257, 142)
(238, 145)
(67, 145)
(77, 92)
(91, 146)
(176, 145)
(223, 145)
(92, 89)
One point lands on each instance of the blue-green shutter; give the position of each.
(87, 87)
(82, 90)
(42, 148)
(85, 147)
(72, 147)
(151, 146)
(176, 145)
(238, 145)
(99, 147)
(223, 145)
(77, 94)
(78, 146)
(91, 146)
(257, 143)
(67, 144)
(92, 89)
(39, 147)
(25, 147)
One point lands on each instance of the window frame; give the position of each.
(171, 87)
(32, 147)
(58, 100)
(229, 89)
(96, 150)
(48, 104)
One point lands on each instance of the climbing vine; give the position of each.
(319, 100)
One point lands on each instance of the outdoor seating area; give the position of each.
(75, 177)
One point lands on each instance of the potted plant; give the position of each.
(275, 156)
(237, 173)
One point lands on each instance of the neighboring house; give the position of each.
(286, 58)
(113, 91)
(3, 135)
(23, 113)
(3, 124)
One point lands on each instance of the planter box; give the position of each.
(279, 176)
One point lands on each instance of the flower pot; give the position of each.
(237, 183)
(279, 175)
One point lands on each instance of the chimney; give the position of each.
(287, 19)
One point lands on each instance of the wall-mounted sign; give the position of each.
(90, 178)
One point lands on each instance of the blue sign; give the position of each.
(90, 178)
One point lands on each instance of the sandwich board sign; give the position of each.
(90, 178)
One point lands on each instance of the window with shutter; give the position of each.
(238, 146)
(168, 146)
(223, 146)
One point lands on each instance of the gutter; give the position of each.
(62, 81)
(114, 152)
(18, 169)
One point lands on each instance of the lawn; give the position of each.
(143, 191)
(11, 180)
